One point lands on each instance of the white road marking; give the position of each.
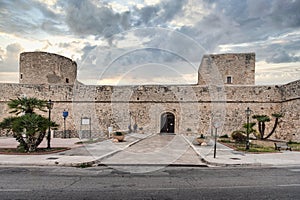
(295, 170)
(15, 190)
(290, 185)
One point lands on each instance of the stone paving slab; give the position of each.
(189, 158)
(158, 149)
(154, 153)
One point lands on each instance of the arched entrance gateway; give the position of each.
(167, 123)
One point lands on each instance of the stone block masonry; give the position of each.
(110, 106)
(46, 68)
(191, 106)
(232, 69)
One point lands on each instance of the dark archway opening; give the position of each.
(167, 123)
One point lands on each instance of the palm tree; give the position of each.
(262, 119)
(26, 105)
(30, 128)
(250, 128)
(277, 116)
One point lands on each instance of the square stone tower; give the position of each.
(230, 69)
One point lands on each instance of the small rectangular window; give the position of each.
(21, 76)
(67, 80)
(229, 80)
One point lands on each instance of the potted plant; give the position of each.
(119, 136)
(200, 139)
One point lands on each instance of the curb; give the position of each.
(156, 165)
(220, 164)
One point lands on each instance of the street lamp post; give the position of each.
(49, 106)
(215, 146)
(129, 127)
(216, 125)
(65, 115)
(248, 113)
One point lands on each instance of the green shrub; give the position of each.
(239, 136)
(85, 165)
(118, 133)
(292, 142)
(224, 136)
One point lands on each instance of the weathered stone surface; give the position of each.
(195, 107)
(215, 69)
(46, 68)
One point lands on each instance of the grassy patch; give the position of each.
(295, 146)
(254, 148)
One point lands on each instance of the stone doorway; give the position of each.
(167, 123)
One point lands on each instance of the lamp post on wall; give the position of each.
(65, 115)
(248, 113)
(49, 106)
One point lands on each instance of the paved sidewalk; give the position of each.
(146, 150)
(154, 153)
(10, 142)
(226, 156)
(83, 154)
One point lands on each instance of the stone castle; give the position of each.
(225, 89)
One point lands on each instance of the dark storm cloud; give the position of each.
(86, 51)
(27, 18)
(158, 14)
(218, 29)
(285, 13)
(235, 22)
(85, 18)
(246, 26)
(268, 12)
(281, 56)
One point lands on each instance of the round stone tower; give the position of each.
(46, 68)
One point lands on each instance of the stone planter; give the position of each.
(120, 138)
(200, 140)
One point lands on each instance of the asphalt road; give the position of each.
(167, 183)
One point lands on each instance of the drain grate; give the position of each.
(52, 158)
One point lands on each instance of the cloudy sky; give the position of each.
(152, 41)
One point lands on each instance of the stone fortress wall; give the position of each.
(192, 105)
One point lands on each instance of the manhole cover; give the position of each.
(235, 158)
(52, 158)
